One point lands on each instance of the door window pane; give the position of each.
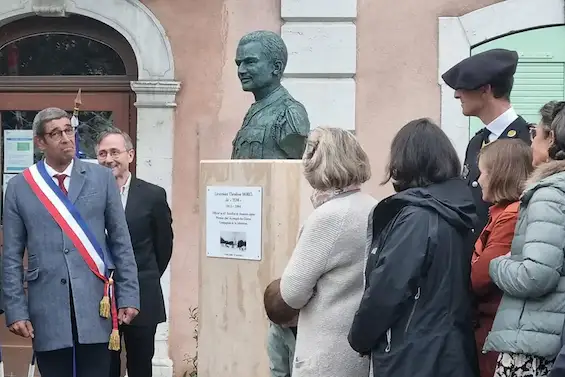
(59, 54)
(91, 124)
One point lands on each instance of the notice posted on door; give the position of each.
(233, 222)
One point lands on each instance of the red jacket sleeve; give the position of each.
(497, 244)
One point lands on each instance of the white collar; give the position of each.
(52, 172)
(497, 126)
(126, 185)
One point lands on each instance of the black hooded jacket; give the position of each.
(415, 318)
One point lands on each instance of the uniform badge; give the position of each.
(511, 133)
(465, 172)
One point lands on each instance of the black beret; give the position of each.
(482, 69)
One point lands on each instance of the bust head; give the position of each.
(261, 59)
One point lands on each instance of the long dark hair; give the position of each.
(421, 154)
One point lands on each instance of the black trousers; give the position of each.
(140, 348)
(92, 360)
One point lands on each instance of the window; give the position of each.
(58, 54)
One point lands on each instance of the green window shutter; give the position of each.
(540, 76)
(535, 85)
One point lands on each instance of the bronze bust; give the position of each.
(276, 126)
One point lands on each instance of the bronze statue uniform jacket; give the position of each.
(275, 127)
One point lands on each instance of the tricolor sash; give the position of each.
(75, 228)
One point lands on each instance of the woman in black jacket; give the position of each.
(415, 318)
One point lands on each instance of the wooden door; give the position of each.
(17, 110)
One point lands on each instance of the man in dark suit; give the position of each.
(483, 83)
(149, 220)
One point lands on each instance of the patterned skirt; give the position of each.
(516, 365)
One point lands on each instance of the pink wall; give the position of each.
(211, 106)
(396, 82)
(397, 68)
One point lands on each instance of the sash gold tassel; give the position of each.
(114, 340)
(105, 302)
(115, 343)
(105, 305)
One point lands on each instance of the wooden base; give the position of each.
(232, 320)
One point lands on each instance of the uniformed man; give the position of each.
(483, 83)
(276, 126)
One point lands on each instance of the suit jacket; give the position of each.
(471, 172)
(150, 226)
(54, 262)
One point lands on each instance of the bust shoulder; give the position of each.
(296, 116)
(294, 107)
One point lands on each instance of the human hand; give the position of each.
(22, 328)
(126, 315)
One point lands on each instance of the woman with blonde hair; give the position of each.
(529, 322)
(324, 277)
(504, 166)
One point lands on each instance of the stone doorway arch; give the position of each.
(457, 35)
(155, 90)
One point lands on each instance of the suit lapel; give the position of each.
(77, 180)
(133, 195)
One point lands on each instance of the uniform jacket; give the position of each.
(150, 227)
(494, 241)
(471, 169)
(275, 127)
(532, 312)
(280, 348)
(415, 317)
(54, 262)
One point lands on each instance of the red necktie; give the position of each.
(61, 181)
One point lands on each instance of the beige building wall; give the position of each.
(397, 70)
(210, 109)
(396, 81)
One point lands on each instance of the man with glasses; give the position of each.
(483, 83)
(149, 219)
(65, 214)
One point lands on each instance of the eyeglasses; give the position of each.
(58, 134)
(114, 153)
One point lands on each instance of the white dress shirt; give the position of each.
(124, 191)
(52, 172)
(497, 126)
